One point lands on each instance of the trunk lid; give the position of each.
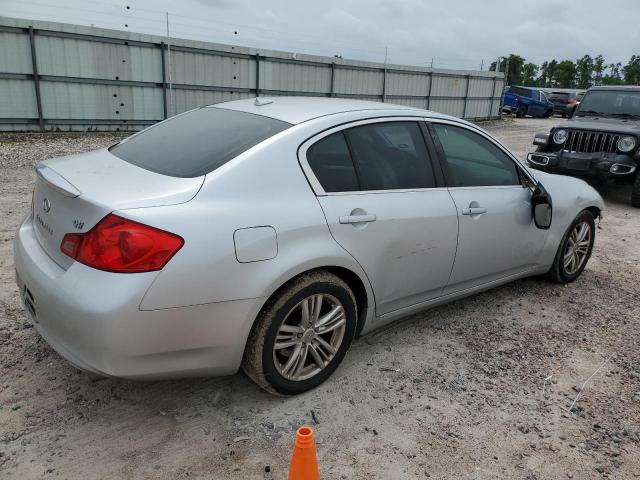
(74, 193)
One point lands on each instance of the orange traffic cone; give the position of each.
(304, 464)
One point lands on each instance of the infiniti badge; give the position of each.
(46, 205)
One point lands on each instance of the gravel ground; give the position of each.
(478, 389)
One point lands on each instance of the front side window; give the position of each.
(474, 161)
(390, 156)
(197, 142)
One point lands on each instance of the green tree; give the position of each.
(584, 72)
(552, 66)
(613, 77)
(515, 64)
(598, 69)
(632, 71)
(529, 74)
(565, 74)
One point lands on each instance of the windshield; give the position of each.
(197, 142)
(611, 102)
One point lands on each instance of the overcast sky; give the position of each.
(455, 33)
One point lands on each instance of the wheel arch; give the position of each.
(595, 211)
(357, 282)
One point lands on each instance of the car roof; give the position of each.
(616, 87)
(300, 109)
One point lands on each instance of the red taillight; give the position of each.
(119, 245)
(517, 100)
(572, 101)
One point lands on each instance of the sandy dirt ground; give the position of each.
(478, 389)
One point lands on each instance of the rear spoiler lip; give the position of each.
(57, 181)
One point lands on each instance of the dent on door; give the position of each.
(404, 241)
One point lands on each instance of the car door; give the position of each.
(535, 107)
(497, 235)
(387, 206)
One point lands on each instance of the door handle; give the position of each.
(474, 211)
(357, 219)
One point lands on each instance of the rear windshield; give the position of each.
(197, 142)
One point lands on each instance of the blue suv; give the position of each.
(526, 101)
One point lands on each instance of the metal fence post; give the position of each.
(429, 92)
(466, 97)
(493, 96)
(384, 84)
(164, 80)
(36, 77)
(257, 74)
(503, 84)
(333, 79)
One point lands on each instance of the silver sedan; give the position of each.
(268, 233)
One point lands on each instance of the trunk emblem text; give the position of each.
(44, 225)
(46, 205)
(78, 224)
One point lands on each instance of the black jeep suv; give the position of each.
(600, 141)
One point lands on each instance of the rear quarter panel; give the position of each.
(265, 186)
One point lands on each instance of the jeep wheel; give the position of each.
(574, 250)
(635, 192)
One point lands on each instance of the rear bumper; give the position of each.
(92, 318)
(590, 165)
(563, 109)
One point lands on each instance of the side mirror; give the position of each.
(542, 207)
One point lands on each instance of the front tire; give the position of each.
(302, 334)
(635, 192)
(574, 250)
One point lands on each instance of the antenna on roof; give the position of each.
(262, 101)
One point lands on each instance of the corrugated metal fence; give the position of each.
(69, 77)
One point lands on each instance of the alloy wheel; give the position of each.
(309, 337)
(577, 248)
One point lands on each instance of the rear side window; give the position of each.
(197, 142)
(473, 161)
(390, 156)
(523, 92)
(331, 163)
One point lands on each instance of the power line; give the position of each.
(189, 30)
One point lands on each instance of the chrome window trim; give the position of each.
(311, 177)
(496, 143)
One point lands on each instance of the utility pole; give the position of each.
(386, 57)
(506, 72)
(481, 64)
(169, 65)
(431, 62)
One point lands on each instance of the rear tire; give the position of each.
(311, 355)
(521, 112)
(574, 250)
(635, 192)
